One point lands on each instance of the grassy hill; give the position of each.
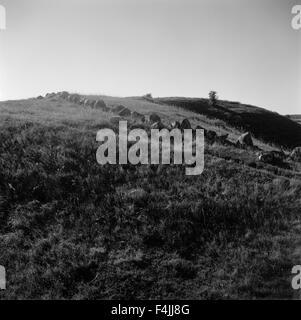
(70, 228)
(295, 117)
(265, 125)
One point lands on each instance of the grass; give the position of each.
(263, 124)
(72, 229)
(295, 117)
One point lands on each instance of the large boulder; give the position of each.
(74, 98)
(272, 157)
(63, 94)
(125, 112)
(82, 101)
(245, 140)
(87, 102)
(100, 104)
(296, 154)
(153, 118)
(185, 124)
(50, 95)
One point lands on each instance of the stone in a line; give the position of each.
(124, 112)
(185, 124)
(100, 104)
(245, 140)
(153, 118)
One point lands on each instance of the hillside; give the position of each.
(265, 125)
(72, 229)
(295, 117)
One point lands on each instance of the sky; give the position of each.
(246, 50)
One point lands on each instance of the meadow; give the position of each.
(72, 229)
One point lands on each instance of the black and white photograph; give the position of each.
(150, 150)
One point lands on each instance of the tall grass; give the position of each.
(70, 228)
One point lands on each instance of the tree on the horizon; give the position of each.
(213, 97)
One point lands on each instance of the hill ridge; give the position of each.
(262, 123)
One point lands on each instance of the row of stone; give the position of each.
(119, 110)
(244, 141)
(153, 119)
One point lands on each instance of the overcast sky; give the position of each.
(246, 50)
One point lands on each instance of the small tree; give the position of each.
(213, 98)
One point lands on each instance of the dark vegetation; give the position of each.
(295, 117)
(263, 124)
(70, 228)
